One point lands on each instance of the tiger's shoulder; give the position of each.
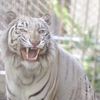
(72, 78)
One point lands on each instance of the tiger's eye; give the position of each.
(17, 32)
(23, 30)
(41, 31)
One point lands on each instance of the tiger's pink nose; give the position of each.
(34, 43)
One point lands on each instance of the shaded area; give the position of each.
(2, 87)
(2, 83)
(2, 97)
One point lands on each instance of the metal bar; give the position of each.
(46, 1)
(19, 9)
(26, 7)
(61, 16)
(86, 17)
(42, 5)
(23, 9)
(74, 39)
(2, 72)
(13, 5)
(68, 5)
(95, 50)
(38, 9)
(73, 17)
(30, 8)
(85, 27)
(37, 12)
(50, 6)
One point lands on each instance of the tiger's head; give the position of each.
(29, 39)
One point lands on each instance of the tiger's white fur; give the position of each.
(56, 75)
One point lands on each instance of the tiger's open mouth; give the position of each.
(30, 54)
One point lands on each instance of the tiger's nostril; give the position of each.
(34, 43)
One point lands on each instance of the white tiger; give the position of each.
(36, 67)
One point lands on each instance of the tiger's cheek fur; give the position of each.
(14, 41)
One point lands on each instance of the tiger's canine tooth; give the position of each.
(27, 50)
(35, 58)
(38, 51)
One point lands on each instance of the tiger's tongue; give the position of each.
(32, 53)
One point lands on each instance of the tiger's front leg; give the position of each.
(10, 96)
(12, 93)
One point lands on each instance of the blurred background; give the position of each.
(75, 26)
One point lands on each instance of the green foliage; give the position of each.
(87, 40)
(67, 21)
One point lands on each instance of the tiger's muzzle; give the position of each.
(31, 53)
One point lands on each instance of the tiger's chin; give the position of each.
(30, 65)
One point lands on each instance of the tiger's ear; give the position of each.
(47, 18)
(10, 16)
